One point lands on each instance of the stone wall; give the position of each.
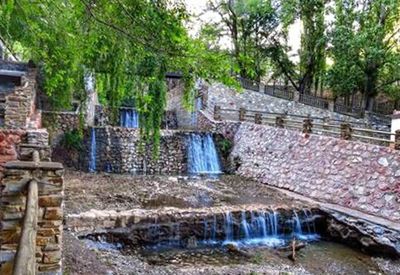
(9, 145)
(17, 176)
(352, 174)
(58, 123)
(118, 150)
(20, 108)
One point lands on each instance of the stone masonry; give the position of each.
(352, 174)
(118, 150)
(49, 176)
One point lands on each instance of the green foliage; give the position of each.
(248, 23)
(225, 146)
(127, 45)
(72, 141)
(365, 52)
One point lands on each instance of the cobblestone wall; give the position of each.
(20, 103)
(118, 150)
(352, 174)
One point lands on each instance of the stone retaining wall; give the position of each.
(352, 174)
(17, 176)
(58, 123)
(9, 145)
(118, 150)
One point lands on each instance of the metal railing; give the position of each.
(249, 84)
(316, 125)
(318, 102)
(279, 91)
(288, 92)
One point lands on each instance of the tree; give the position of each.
(311, 68)
(365, 49)
(128, 45)
(248, 23)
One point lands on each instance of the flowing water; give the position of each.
(92, 151)
(129, 118)
(202, 155)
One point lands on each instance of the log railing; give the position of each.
(316, 125)
(25, 259)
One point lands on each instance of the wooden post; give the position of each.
(25, 259)
(397, 140)
(345, 131)
(242, 114)
(307, 126)
(258, 118)
(217, 112)
(279, 122)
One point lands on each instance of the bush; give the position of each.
(72, 140)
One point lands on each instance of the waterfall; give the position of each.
(228, 227)
(202, 155)
(198, 105)
(92, 151)
(297, 224)
(245, 227)
(129, 118)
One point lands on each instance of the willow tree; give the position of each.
(128, 45)
(365, 49)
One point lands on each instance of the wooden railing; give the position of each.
(316, 125)
(25, 259)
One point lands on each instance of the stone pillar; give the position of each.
(242, 114)
(395, 124)
(258, 118)
(397, 140)
(326, 121)
(279, 122)
(49, 177)
(345, 131)
(217, 112)
(307, 126)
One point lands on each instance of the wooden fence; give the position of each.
(315, 125)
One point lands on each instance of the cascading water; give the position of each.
(92, 151)
(129, 118)
(202, 155)
(198, 105)
(262, 228)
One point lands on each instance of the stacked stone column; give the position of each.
(17, 175)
